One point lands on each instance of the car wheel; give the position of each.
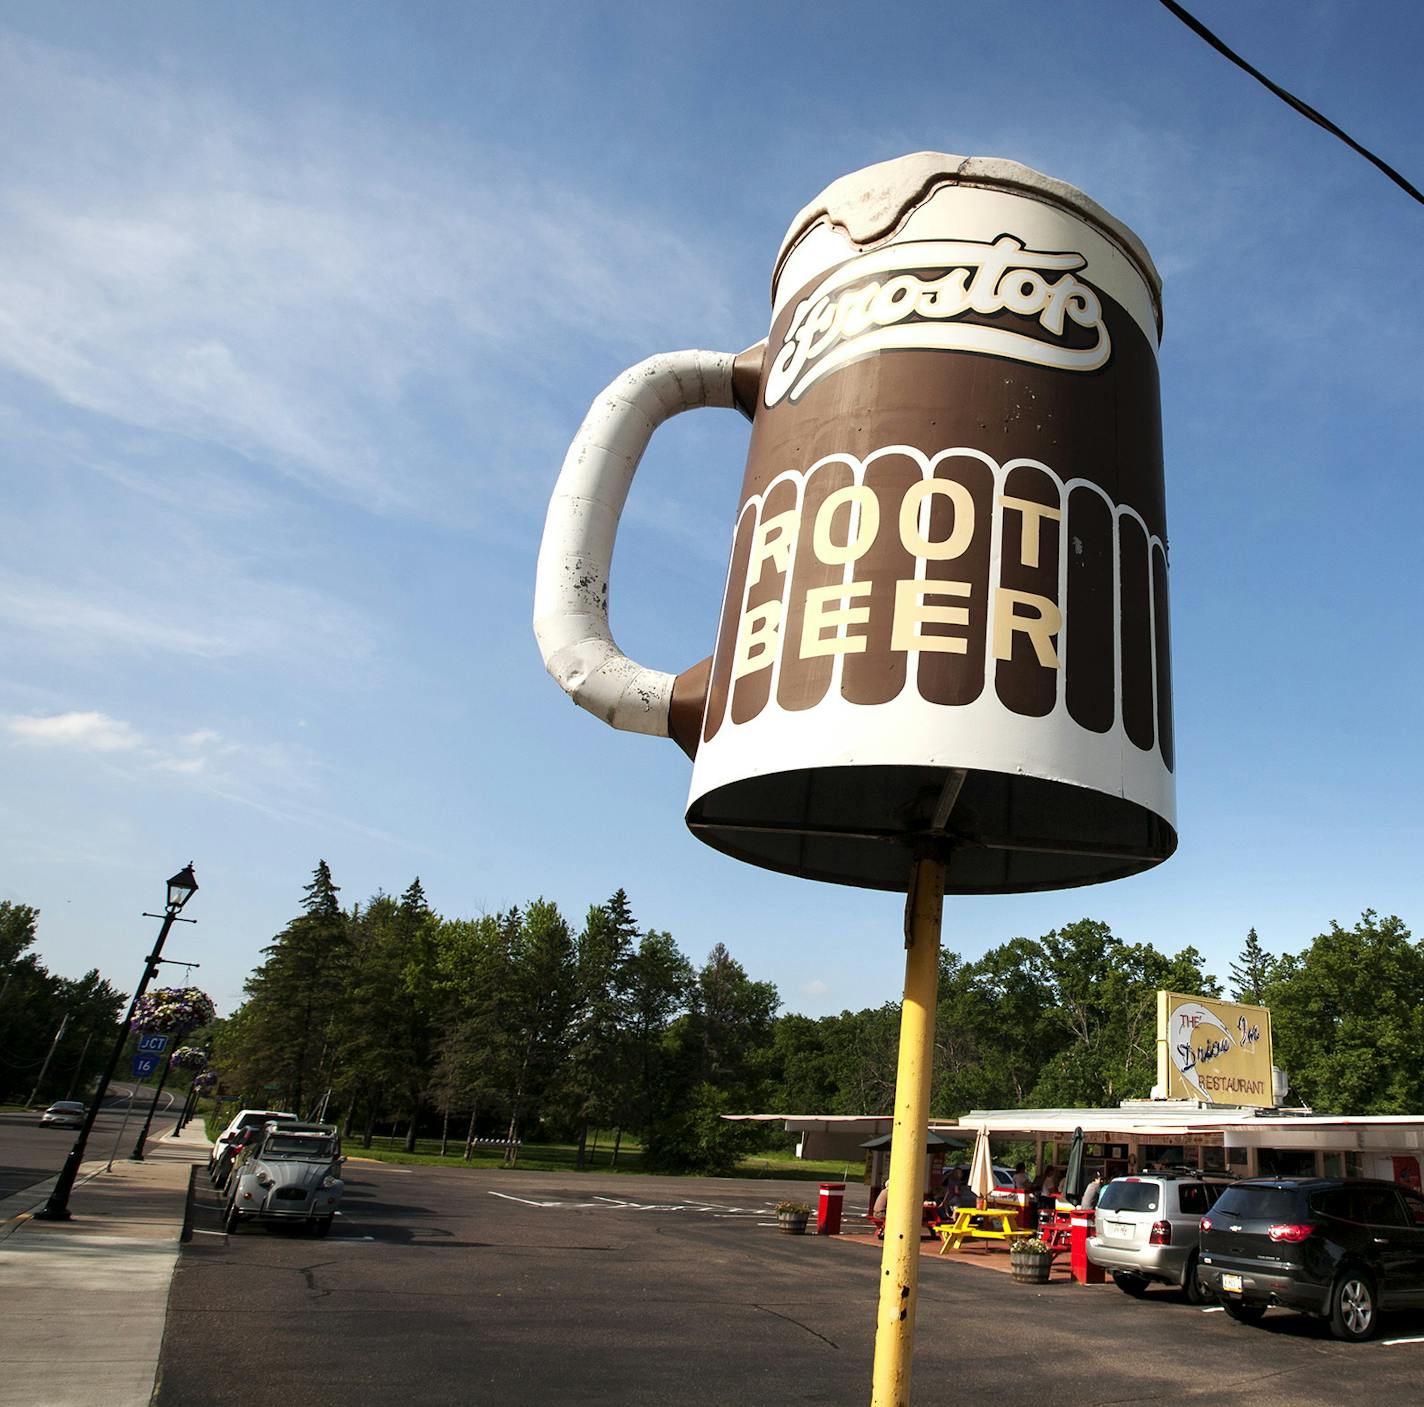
(1130, 1284)
(1353, 1314)
(1242, 1312)
(1193, 1291)
(232, 1221)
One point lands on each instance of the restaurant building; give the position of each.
(1245, 1141)
(1217, 1107)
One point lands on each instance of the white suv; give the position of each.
(1147, 1227)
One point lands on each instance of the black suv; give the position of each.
(1341, 1249)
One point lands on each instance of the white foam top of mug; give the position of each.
(878, 203)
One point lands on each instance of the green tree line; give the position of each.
(522, 1026)
(510, 1024)
(60, 1028)
(519, 1023)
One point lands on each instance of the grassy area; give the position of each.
(563, 1157)
(533, 1157)
(788, 1167)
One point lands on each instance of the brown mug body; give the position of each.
(945, 624)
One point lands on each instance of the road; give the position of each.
(30, 1152)
(446, 1286)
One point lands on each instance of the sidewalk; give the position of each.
(82, 1302)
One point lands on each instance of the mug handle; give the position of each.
(575, 556)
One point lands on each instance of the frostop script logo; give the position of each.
(914, 295)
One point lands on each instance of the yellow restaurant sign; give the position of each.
(1213, 1050)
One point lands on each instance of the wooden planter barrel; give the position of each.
(1030, 1267)
(792, 1223)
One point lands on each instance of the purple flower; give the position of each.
(173, 1009)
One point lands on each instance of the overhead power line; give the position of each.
(1304, 109)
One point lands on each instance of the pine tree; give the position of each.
(541, 986)
(1252, 972)
(294, 997)
(602, 1007)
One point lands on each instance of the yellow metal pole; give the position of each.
(900, 1261)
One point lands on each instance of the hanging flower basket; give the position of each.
(190, 1057)
(173, 1010)
(204, 1082)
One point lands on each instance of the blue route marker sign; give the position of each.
(152, 1045)
(145, 1065)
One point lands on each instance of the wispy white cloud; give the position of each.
(275, 778)
(297, 289)
(217, 608)
(88, 730)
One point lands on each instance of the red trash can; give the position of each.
(1080, 1228)
(828, 1209)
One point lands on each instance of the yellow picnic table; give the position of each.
(980, 1224)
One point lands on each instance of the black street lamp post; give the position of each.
(181, 888)
(183, 1112)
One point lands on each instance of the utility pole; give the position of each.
(44, 1069)
(79, 1065)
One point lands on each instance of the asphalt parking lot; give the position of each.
(446, 1286)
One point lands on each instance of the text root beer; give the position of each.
(945, 616)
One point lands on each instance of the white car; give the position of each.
(243, 1119)
(66, 1114)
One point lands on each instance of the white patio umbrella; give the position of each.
(981, 1170)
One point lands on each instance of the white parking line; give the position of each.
(1390, 1343)
(622, 1204)
(1213, 1309)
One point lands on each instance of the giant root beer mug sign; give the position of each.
(945, 616)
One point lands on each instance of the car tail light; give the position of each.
(1290, 1231)
(1161, 1234)
(1206, 1223)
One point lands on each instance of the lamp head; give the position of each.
(181, 887)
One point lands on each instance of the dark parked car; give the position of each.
(1340, 1249)
(228, 1154)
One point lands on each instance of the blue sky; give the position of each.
(300, 306)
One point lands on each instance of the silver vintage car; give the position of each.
(289, 1175)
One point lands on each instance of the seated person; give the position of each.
(1048, 1194)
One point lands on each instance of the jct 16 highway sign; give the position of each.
(152, 1045)
(145, 1065)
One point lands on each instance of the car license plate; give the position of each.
(1231, 1282)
